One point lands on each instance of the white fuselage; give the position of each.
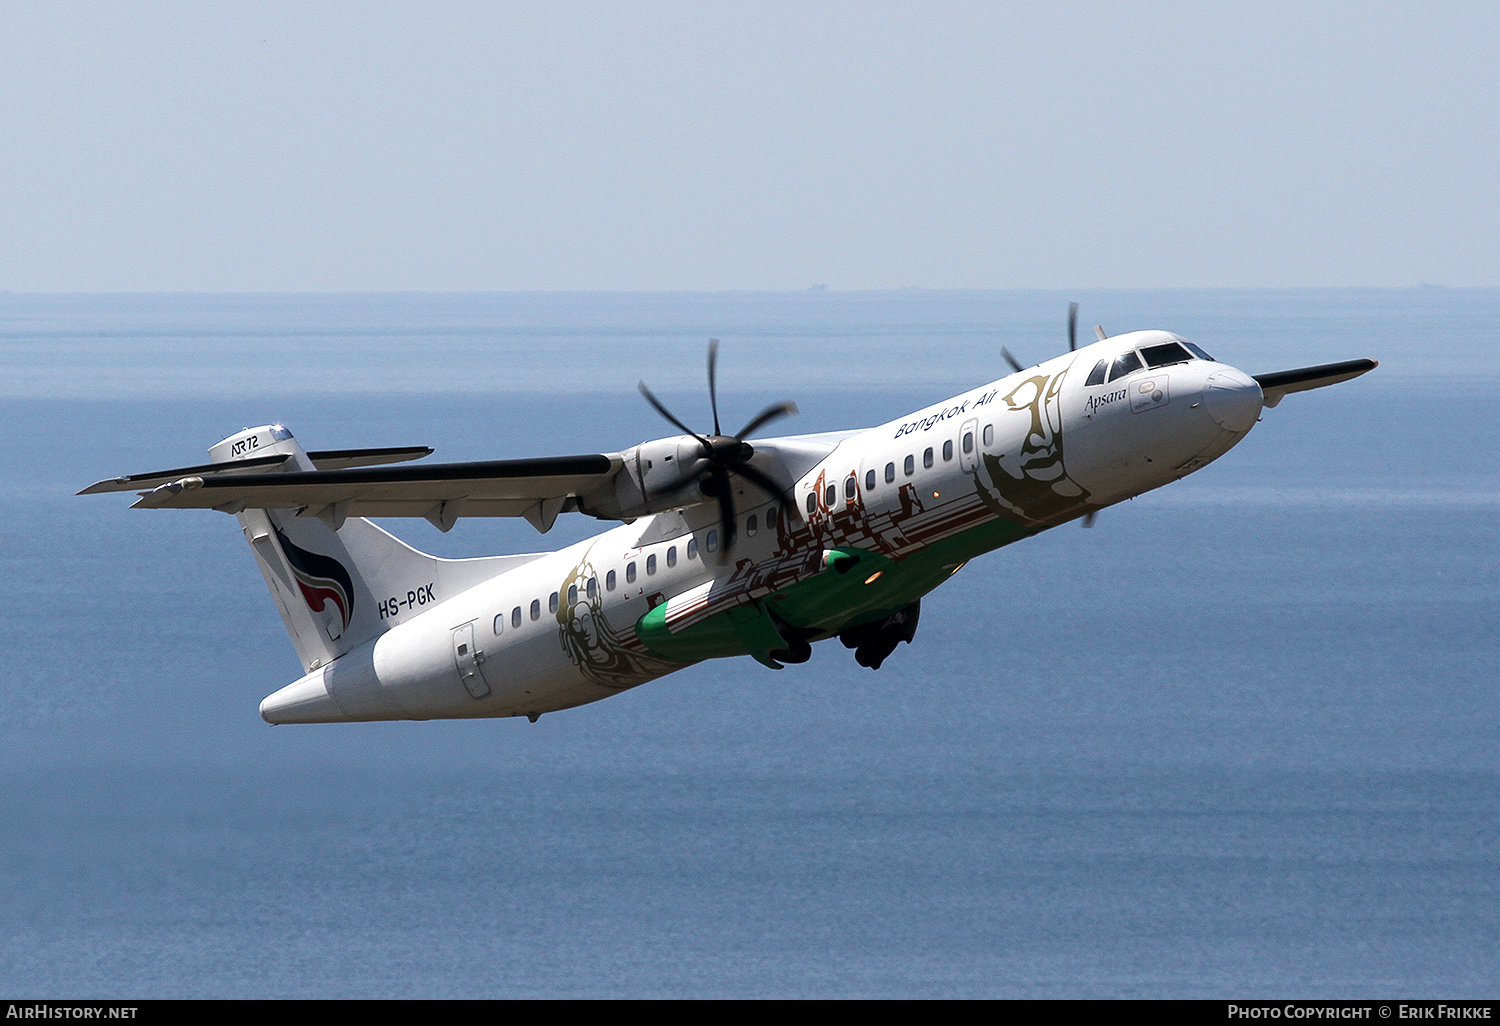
(1038, 447)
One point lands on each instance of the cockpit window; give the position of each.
(1165, 354)
(1198, 351)
(1124, 364)
(1096, 376)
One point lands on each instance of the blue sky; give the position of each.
(383, 146)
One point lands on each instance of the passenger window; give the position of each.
(499, 623)
(515, 617)
(1124, 364)
(536, 609)
(989, 435)
(692, 548)
(948, 449)
(672, 556)
(850, 487)
(831, 496)
(869, 480)
(651, 564)
(630, 572)
(593, 587)
(812, 502)
(771, 519)
(552, 602)
(713, 541)
(1096, 376)
(572, 595)
(609, 581)
(890, 473)
(968, 442)
(752, 525)
(927, 458)
(911, 466)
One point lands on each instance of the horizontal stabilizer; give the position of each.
(343, 459)
(1276, 384)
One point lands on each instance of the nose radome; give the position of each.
(1232, 399)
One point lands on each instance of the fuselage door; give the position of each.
(466, 658)
(968, 446)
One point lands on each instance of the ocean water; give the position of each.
(1240, 739)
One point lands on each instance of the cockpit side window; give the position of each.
(1124, 364)
(1166, 354)
(1198, 352)
(1096, 376)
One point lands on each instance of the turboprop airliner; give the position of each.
(724, 547)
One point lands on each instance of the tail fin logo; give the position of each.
(322, 579)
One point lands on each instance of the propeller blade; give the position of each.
(1072, 326)
(765, 484)
(713, 392)
(655, 402)
(767, 415)
(1015, 364)
(725, 492)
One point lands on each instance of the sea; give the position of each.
(1239, 740)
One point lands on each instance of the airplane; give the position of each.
(723, 548)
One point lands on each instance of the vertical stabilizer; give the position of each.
(339, 581)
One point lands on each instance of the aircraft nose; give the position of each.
(1232, 399)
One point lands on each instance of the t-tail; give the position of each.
(339, 581)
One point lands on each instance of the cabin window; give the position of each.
(831, 496)
(609, 581)
(751, 525)
(1096, 376)
(651, 564)
(968, 442)
(536, 609)
(1165, 355)
(1124, 364)
(869, 480)
(850, 487)
(927, 458)
(630, 572)
(692, 549)
(771, 519)
(890, 473)
(911, 466)
(989, 435)
(948, 449)
(593, 587)
(515, 617)
(499, 623)
(552, 602)
(812, 502)
(672, 556)
(572, 595)
(712, 541)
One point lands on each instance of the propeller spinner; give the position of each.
(723, 455)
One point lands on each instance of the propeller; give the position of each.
(724, 455)
(1015, 364)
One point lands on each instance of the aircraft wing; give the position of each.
(1277, 384)
(537, 489)
(330, 459)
